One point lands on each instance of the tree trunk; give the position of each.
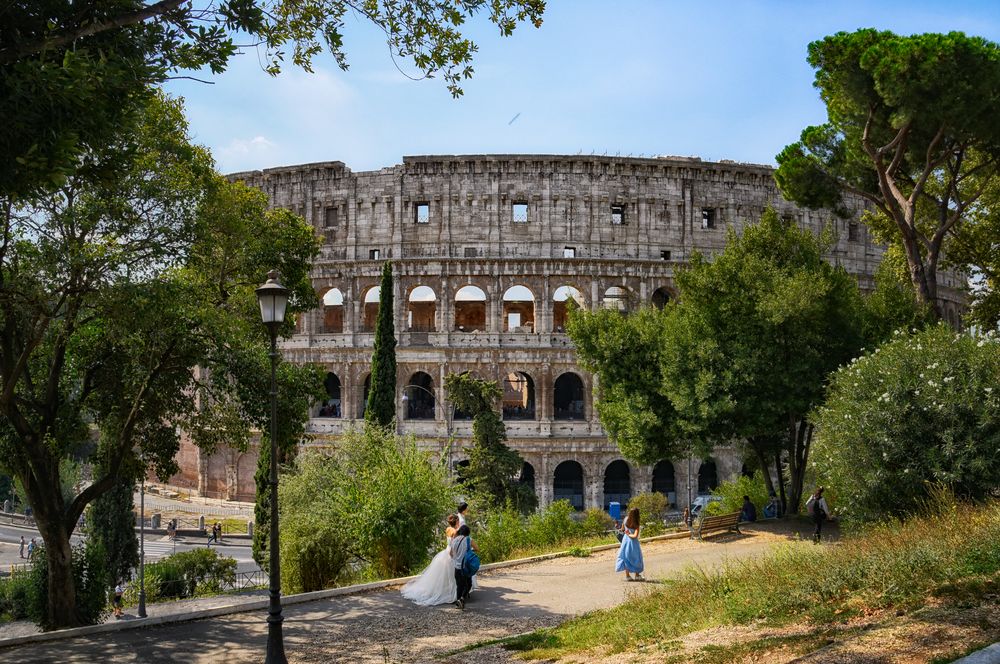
(761, 454)
(801, 440)
(781, 481)
(61, 585)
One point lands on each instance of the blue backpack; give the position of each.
(470, 561)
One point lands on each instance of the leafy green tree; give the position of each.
(494, 469)
(111, 523)
(373, 506)
(742, 355)
(911, 129)
(919, 411)
(626, 352)
(381, 407)
(115, 289)
(74, 78)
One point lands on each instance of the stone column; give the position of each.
(544, 481)
(593, 485)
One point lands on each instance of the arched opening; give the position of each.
(527, 476)
(567, 484)
(661, 296)
(333, 311)
(470, 309)
(616, 298)
(708, 478)
(663, 480)
(518, 310)
(518, 396)
(364, 396)
(418, 395)
(617, 484)
(561, 304)
(371, 309)
(567, 398)
(331, 407)
(421, 309)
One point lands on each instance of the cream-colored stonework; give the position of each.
(541, 222)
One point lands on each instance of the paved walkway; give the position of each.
(383, 627)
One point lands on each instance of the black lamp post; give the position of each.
(272, 298)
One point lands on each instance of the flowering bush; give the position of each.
(921, 410)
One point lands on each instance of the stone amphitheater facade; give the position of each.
(486, 249)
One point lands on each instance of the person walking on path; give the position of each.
(31, 549)
(20, 550)
(459, 547)
(749, 511)
(630, 552)
(117, 601)
(214, 537)
(819, 511)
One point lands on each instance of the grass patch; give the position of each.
(891, 566)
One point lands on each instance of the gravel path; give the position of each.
(383, 627)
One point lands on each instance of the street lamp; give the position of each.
(273, 297)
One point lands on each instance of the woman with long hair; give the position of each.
(630, 552)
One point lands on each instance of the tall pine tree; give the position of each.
(381, 407)
(494, 469)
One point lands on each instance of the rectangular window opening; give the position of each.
(519, 212)
(470, 252)
(665, 254)
(331, 220)
(423, 213)
(617, 214)
(853, 233)
(569, 252)
(373, 254)
(707, 218)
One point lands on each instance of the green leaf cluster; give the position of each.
(919, 411)
(494, 470)
(374, 506)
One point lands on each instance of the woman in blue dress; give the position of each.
(630, 553)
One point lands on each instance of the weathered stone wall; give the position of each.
(496, 222)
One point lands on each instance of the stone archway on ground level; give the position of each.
(617, 484)
(568, 484)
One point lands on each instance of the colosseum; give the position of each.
(487, 250)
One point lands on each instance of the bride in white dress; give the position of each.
(436, 584)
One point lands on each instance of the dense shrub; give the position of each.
(91, 578)
(371, 508)
(14, 592)
(553, 524)
(500, 533)
(652, 507)
(186, 574)
(732, 494)
(922, 410)
(596, 522)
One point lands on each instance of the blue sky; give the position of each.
(719, 80)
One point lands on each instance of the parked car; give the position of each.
(701, 502)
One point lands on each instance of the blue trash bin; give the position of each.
(615, 510)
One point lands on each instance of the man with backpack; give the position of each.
(819, 511)
(464, 557)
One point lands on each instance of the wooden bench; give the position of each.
(711, 524)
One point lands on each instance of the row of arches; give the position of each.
(568, 481)
(470, 307)
(568, 397)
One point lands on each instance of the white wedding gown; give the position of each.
(436, 584)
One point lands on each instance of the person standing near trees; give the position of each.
(630, 552)
(459, 548)
(819, 511)
(462, 509)
(20, 550)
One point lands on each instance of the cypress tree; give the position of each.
(381, 406)
(494, 469)
(262, 506)
(111, 522)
